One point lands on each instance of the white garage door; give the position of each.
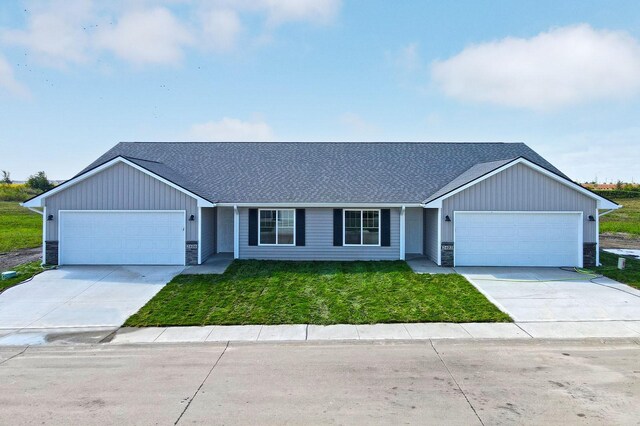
(122, 238)
(517, 239)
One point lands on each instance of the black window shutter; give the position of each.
(337, 227)
(300, 227)
(385, 222)
(253, 227)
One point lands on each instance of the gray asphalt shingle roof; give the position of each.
(320, 172)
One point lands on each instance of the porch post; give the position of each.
(199, 235)
(402, 233)
(236, 232)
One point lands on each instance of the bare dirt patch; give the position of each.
(614, 240)
(17, 257)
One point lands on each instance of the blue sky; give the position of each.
(76, 77)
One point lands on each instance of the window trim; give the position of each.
(260, 243)
(344, 228)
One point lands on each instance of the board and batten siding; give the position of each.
(121, 187)
(319, 241)
(519, 188)
(431, 234)
(413, 230)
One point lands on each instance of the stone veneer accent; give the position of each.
(589, 254)
(191, 253)
(51, 252)
(446, 256)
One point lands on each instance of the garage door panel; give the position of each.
(122, 237)
(517, 239)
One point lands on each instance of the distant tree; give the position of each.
(6, 177)
(39, 181)
(619, 184)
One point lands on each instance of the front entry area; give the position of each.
(518, 238)
(109, 237)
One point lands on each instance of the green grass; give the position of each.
(16, 192)
(626, 219)
(19, 228)
(26, 270)
(630, 275)
(277, 292)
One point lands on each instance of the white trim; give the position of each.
(597, 218)
(277, 214)
(199, 219)
(38, 201)
(603, 203)
(184, 227)
(236, 233)
(440, 219)
(580, 232)
(365, 206)
(44, 235)
(344, 228)
(403, 249)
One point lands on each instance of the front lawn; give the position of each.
(19, 228)
(630, 275)
(275, 292)
(626, 219)
(25, 271)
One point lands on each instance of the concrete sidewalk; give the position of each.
(418, 331)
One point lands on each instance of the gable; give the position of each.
(98, 173)
(119, 187)
(529, 178)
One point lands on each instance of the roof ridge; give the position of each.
(332, 142)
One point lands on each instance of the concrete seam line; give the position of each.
(306, 333)
(16, 355)
(525, 331)
(201, 384)
(456, 382)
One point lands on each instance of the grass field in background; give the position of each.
(19, 227)
(626, 219)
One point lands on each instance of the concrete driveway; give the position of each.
(553, 294)
(82, 296)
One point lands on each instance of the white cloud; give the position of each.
(318, 11)
(147, 37)
(221, 28)
(561, 67)
(231, 130)
(359, 127)
(407, 58)
(56, 34)
(8, 80)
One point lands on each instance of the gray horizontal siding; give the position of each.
(121, 187)
(319, 241)
(413, 229)
(208, 242)
(519, 188)
(431, 234)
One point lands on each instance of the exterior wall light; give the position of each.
(447, 219)
(192, 218)
(591, 219)
(50, 217)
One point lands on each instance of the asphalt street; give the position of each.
(427, 382)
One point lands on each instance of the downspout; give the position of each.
(44, 230)
(598, 234)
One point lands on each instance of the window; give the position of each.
(362, 227)
(277, 227)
